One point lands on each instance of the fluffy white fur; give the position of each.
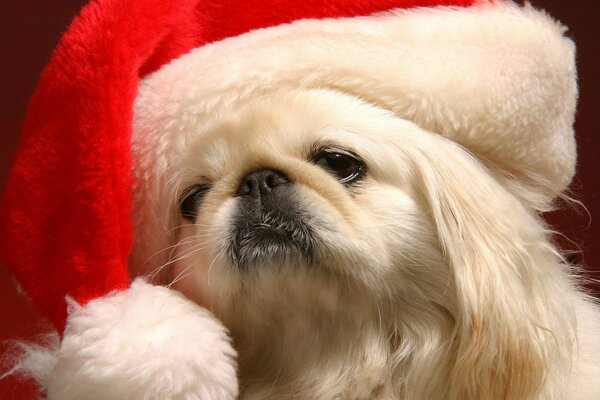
(147, 342)
(431, 279)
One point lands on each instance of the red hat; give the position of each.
(497, 78)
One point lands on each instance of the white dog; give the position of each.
(355, 199)
(354, 255)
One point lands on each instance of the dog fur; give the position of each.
(431, 278)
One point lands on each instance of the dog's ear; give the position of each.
(505, 272)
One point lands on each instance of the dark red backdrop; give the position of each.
(31, 28)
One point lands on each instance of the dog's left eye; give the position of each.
(347, 168)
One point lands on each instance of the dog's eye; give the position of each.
(191, 199)
(347, 168)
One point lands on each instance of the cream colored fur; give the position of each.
(432, 279)
(436, 279)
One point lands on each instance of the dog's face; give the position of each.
(340, 243)
(299, 221)
(300, 187)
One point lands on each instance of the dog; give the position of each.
(354, 255)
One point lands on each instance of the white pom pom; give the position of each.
(147, 342)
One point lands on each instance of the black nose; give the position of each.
(261, 183)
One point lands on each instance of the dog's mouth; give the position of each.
(272, 231)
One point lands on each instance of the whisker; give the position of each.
(181, 242)
(194, 249)
(181, 275)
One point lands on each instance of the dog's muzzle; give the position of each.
(269, 225)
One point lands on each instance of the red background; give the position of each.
(29, 30)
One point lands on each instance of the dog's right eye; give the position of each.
(190, 201)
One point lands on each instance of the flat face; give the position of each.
(296, 182)
(297, 223)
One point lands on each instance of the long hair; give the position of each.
(513, 321)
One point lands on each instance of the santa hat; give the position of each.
(495, 77)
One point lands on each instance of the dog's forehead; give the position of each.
(287, 125)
